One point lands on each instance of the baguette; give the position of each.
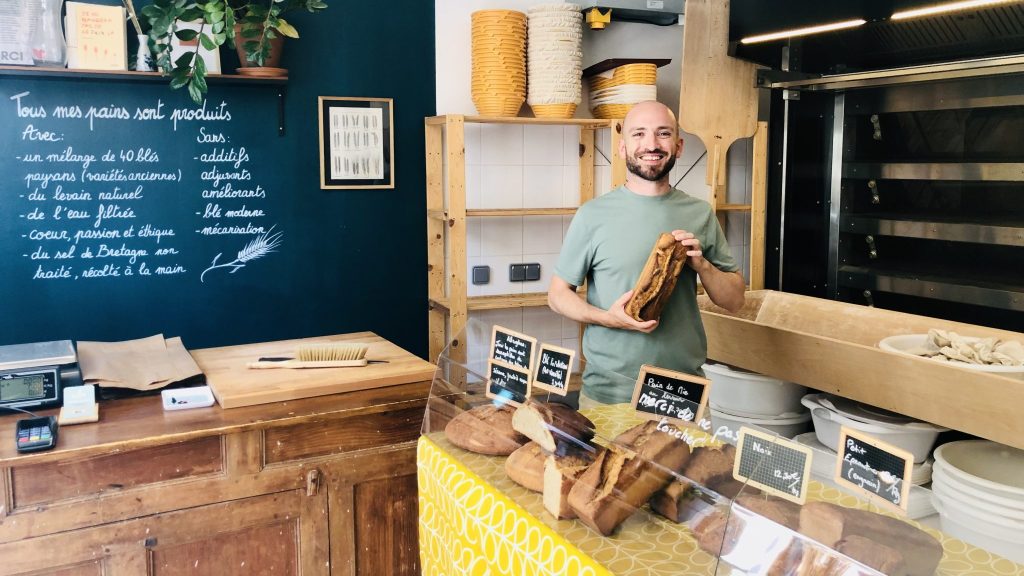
(485, 429)
(553, 424)
(625, 476)
(657, 279)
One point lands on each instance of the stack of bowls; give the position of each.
(614, 92)
(499, 62)
(978, 489)
(555, 59)
(740, 398)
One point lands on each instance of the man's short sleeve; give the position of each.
(716, 248)
(577, 253)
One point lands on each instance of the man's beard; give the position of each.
(651, 173)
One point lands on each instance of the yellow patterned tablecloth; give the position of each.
(475, 521)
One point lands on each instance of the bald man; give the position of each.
(607, 245)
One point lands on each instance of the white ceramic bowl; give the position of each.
(900, 344)
(1001, 536)
(945, 489)
(914, 437)
(785, 427)
(941, 475)
(987, 466)
(824, 463)
(750, 394)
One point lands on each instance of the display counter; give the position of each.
(295, 487)
(474, 519)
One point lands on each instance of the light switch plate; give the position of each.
(481, 275)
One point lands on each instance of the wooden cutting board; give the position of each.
(235, 385)
(717, 96)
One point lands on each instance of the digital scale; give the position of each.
(34, 375)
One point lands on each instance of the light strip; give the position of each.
(803, 31)
(947, 7)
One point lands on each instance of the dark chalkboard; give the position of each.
(773, 464)
(661, 393)
(507, 383)
(874, 468)
(554, 367)
(513, 348)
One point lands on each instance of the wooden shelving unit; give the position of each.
(449, 304)
(42, 72)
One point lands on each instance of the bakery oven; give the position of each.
(897, 164)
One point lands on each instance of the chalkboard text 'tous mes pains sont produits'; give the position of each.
(89, 208)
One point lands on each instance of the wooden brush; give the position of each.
(329, 355)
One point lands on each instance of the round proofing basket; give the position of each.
(499, 105)
(609, 111)
(553, 110)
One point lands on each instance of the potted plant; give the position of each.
(252, 24)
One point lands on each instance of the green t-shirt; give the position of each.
(607, 245)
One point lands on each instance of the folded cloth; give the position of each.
(143, 364)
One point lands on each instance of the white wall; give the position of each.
(536, 166)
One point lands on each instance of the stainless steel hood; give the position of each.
(881, 43)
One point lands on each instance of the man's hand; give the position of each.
(617, 317)
(694, 253)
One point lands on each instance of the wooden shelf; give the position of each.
(591, 122)
(732, 208)
(42, 72)
(528, 300)
(521, 212)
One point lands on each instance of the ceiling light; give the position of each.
(947, 7)
(803, 31)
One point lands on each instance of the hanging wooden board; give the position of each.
(718, 95)
(236, 385)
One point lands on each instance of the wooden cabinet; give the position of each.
(323, 485)
(448, 303)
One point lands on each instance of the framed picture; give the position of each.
(357, 142)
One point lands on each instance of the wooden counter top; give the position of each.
(138, 422)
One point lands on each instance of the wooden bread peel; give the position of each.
(718, 93)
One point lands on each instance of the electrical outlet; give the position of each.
(481, 275)
(524, 272)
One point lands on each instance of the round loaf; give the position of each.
(486, 429)
(525, 467)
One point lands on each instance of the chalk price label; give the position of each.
(678, 397)
(554, 367)
(775, 465)
(507, 383)
(513, 348)
(875, 469)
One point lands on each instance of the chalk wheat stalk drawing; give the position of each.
(258, 247)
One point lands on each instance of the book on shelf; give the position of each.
(96, 36)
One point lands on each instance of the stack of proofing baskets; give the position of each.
(555, 59)
(614, 92)
(499, 61)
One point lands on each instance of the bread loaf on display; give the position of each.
(560, 475)
(552, 424)
(626, 475)
(657, 279)
(525, 466)
(829, 524)
(872, 554)
(485, 429)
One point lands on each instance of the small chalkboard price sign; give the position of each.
(513, 348)
(554, 366)
(873, 468)
(675, 396)
(507, 383)
(773, 464)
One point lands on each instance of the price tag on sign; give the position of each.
(873, 468)
(773, 464)
(661, 393)
(513, 348)
(507, 383)
(554, 366)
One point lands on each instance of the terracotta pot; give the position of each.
(272, 60)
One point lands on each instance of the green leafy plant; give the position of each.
(259, 22)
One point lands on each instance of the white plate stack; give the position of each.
(554, 59)
(978, 489)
